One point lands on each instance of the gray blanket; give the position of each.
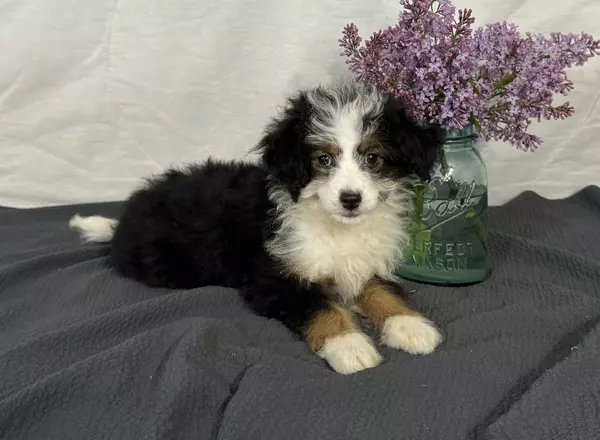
(85, 354)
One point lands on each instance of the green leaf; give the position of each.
(505, 81)
(473, 120)
(480, 228)
(472, 82)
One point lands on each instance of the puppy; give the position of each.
(312, 232)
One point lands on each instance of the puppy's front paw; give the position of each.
(350, 353)
(413, 334)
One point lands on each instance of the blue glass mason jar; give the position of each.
(448, 228)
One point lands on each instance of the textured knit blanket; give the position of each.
(86, 354)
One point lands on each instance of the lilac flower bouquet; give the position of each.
(492, 77)
(492, 80)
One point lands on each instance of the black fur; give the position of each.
(207, 224)
(413, 149)
(197, 226)
(284, 150)
(283, 147)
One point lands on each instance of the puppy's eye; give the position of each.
(372, 159)
(325, 160)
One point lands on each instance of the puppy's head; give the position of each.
(348, 146)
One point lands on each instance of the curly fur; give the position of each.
(278, 229)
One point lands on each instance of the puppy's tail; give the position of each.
(94, 229)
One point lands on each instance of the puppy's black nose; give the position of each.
(350, 200)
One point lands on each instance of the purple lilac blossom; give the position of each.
(449, 74)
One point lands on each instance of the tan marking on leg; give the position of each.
(401, 327)
(326, 324)
(378, 302)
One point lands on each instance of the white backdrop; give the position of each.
(96, 94)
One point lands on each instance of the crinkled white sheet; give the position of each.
(96, 94)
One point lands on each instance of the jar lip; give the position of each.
(468, 131)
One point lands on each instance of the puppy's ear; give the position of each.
(418, 148)
(283, 149)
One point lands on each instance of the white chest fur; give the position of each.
(318, 248)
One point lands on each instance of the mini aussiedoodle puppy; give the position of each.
(310, 234)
